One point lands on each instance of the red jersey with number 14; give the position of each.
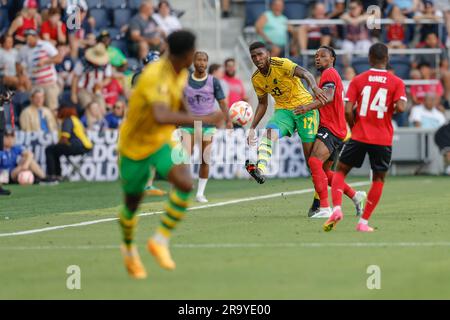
(375, 92)
(332, 115)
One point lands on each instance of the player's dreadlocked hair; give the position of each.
(332, 52)
(201, 52)
(257, 45)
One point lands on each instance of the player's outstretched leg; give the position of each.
(337, 187)
(373, 198)
(258, 170)
(175, 210)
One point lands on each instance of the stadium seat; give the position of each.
(101, 18)
(121, 44)
(114, 33)
(115, 4)
(253, 9)
(401, 66)
(295, 9)
(94, 3)
(4, 20)
(122, 17)
(44, 4)
(134, 4)
(133, 64)
(360, 64)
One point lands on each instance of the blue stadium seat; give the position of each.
(4, 20)
(295, 9)
(101, 18)
(120, 44)
(114, 33)
(115, 4)
(401, 66)
(44, 4)
(133, 64)
(134, 4)
(253, 9)
(122, 17)
(360, 64)
(94, 4)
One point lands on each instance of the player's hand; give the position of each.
(229, 124)
(320, 95)
(301, 110)
(215, 118)
(74, 98)
(251, 139)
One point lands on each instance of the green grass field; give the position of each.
(258, 249)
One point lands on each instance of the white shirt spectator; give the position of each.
(30, 58)
(90, 75)
(168, 24)
(428, 119)
(8, 61)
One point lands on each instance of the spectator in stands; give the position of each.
(237, 90)
(117, 58)
(9, 56)
(427, 116)
(28, 19)
(272, 26)
(90, 76)
(143, 29)
(53, 29)
(333, 8)
(444, 6)
(356, 32)
(396, 36)
(16, 159)
(225, 8)
(419, 91)
(216, 70)
(37, 117)
(165, 20)
(73, 141)
(65, 68)
(78, 35)
(314, 36)
(428, 12)
(93, 118)
(115, 118)
(407, 7)
(349, 73)
(39, 58)
(112, 91)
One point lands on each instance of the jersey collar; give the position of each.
(379, 70)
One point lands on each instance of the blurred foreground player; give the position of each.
(5, 99)
(377, 95)
(155, 109)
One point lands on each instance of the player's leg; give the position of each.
(380, 159)
(179, 175)
(281, 124)
(134, 175)
(203, 174)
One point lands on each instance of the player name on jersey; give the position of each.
(379, 79)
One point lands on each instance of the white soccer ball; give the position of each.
(25, 178)
(241, 113)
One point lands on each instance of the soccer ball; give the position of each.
(25, 178)
(241, 113)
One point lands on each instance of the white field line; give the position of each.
(219, 204)
(248, 246)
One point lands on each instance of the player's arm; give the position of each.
(260, 110)
(328, 90)
(349, 113)
(163, 115)
(400, 106)
(302, 73)
(224, 108)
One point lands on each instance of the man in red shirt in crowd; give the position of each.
(377, 94)
(331, 134)
(53, 29)
(237, 90)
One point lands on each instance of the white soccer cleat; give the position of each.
(323, 213)
(360, 201)
(201, 199)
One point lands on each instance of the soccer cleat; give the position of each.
(314, 208)
(333, 220)
(133, 262)
(323, 213)
(201, 199)
(360, 201)
(4, 192)
(361, 227)
(161, 254)
(153, 191)
(255, 172)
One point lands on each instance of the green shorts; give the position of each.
(286, 122)
(206, 131)
(134, 174)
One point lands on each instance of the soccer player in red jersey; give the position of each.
(331, 134)
(377, 94)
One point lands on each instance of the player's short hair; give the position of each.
(332, 52)
(423, 64)
(378, 52)
(181, 42)
(229, 60)
(214, 67)
(201, 52)
(257, 45)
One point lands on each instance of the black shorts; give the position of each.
(354, 152)
(333, 143)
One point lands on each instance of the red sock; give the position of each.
(320, 180)
(349, 192)
(337, 188)
(372, 199)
